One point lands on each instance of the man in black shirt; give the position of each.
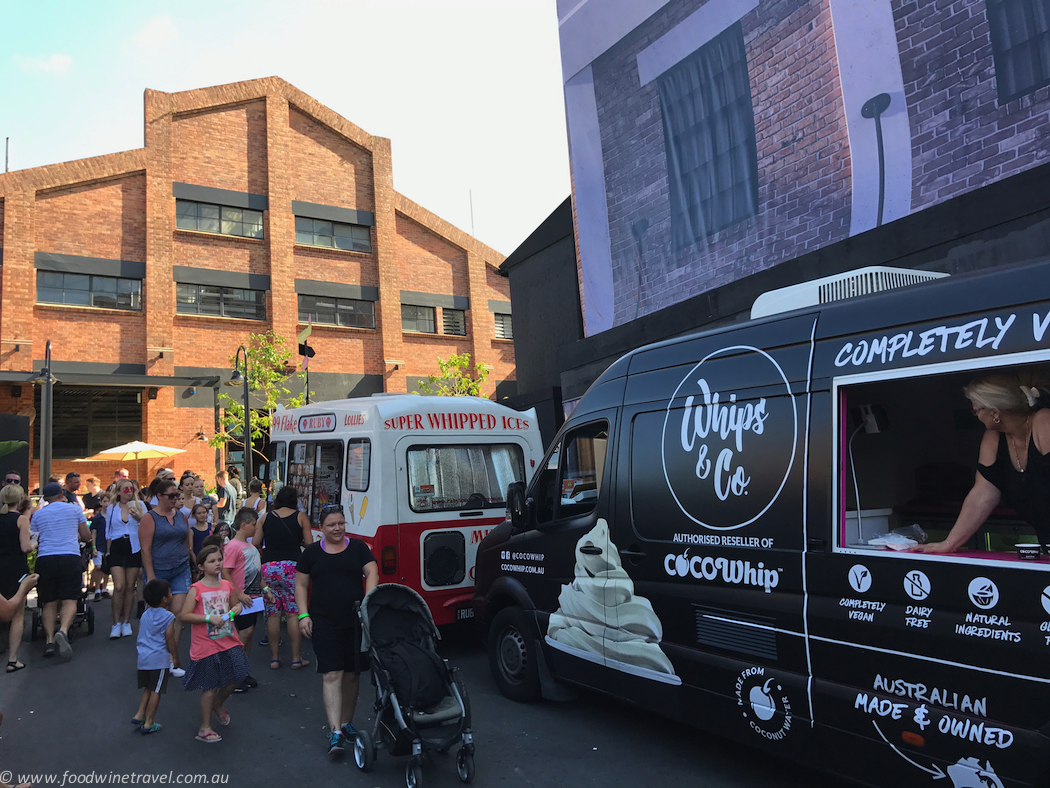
(328, 584)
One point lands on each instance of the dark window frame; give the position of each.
(93, 293)
(223, 297)
(454, 319)
(1024, 54)
(341, 306)
(343, 236)
(504, 325)
(226, 220)
(416, 317)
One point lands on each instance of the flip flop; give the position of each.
(301, 663)
(211, 737)
(151, 729)
(275, 664)
(13, 666)
(223, 715)
(137, 721)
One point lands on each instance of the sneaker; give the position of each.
(49, 650)
(252, 683)
(98, 595)
(336, 746)
(106, 594)
(349, 731)
(65, 650)
(177, 672)
(265, 641)
(114, 632)
(242, 687)
(125, 630)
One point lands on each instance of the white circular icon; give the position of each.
(1045, 599)
(860, 578)
(984, 593)
(917, 585)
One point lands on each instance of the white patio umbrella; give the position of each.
(136, 450)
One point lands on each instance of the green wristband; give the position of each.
(303, 615)
(232, 615)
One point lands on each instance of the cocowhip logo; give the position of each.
(733, 571)
(726, 461)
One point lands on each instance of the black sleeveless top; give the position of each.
(12, 560)
(1028, 492)
(282, 538)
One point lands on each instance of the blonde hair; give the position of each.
(1018, 393)
(10, 496)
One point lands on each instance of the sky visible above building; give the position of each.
(468, 91)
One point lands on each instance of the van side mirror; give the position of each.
(517, 508)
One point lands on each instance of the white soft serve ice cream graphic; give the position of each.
(601, 619)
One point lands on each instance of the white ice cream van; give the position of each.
(421, 480)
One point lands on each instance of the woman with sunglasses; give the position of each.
(1014, 460)
(124, 557)
(167, 545)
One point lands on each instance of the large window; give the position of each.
(337, 311)
(109, 292)
(709, 137)
(454, 321)
(1020, 32)
(418, 318)
(88, 421)
(358, 464)
(504, 327)
(570, 484)
(334, 235)
(220, 301)
(443, 478)
(221, 219)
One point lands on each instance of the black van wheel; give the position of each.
(512, 656)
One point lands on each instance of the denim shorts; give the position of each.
(178, 578)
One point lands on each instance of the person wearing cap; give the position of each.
(61, 527)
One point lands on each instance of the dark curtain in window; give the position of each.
(709, 135)
(1020, 31)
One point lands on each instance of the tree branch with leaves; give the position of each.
(269, 376)
(456, 378)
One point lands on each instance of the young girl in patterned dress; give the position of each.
(218, 662)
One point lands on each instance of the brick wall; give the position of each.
(803, 157)
(327, 168)
(224, 148)
(962, 137)
(430, 263)
(105, 219)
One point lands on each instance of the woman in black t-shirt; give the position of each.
(332, 576)
(284, 531)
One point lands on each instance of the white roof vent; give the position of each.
(863, 281)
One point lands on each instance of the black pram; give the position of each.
(421, 702)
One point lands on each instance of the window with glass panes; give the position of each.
(91, 420)
(206, 218)
(1020, 34)
(504, 329)
(334, 235)
(108, 292)
(337, 311)
(418, 318)
(454, 321)
(220, 301)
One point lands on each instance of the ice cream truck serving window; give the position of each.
(445, 477)
(916, 451)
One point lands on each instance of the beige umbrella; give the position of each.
(136, 450)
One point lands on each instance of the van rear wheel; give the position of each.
(512, 655)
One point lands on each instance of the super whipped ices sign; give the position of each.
(726, 457)
(730, 570)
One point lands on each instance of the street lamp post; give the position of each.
(235, 379)
(48, 381)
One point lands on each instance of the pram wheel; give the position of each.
(364, 751)
(37, 624)
(413, 775)
(90, 616)
(465, 765)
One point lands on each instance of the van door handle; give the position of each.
(635, 554)
(589, 549)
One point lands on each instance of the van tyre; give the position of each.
(512, 656)
(364, 751)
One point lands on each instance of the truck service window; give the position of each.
(316, 471)
(444, 478)
(907, 455)
(358, 464)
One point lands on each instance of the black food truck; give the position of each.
(711, 536)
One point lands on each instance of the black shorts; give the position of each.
(245, 622)
(338, 648)
(61, 577)
(154, 680)
(120, 554)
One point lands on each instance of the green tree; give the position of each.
(456, 379)
(269, 376)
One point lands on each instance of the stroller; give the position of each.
(421, 703)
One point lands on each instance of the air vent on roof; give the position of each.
(873, 279)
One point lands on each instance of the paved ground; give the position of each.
(73, 717)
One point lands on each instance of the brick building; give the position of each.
(251, 207)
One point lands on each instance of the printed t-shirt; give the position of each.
(336, 581)
(245, 566)
(212, 600)
(152, 648)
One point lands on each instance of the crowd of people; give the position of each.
(212, 562)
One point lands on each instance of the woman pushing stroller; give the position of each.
(328, 586)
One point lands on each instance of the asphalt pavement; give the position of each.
(73, 718)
